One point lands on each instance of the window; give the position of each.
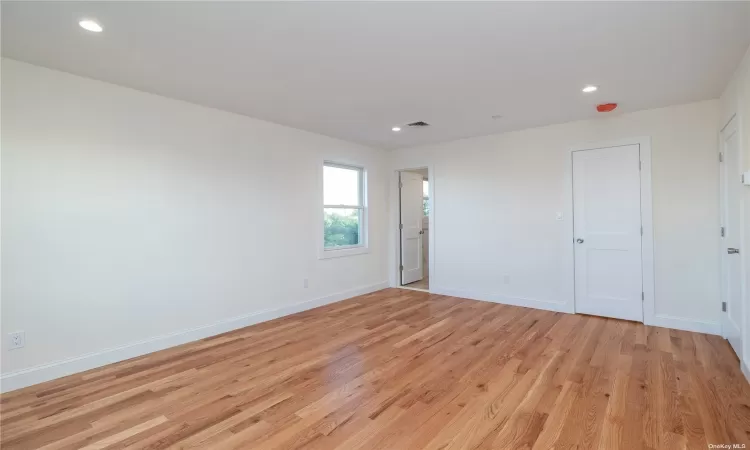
(343, 207)
(426, 197)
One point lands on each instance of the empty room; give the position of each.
(374, 225)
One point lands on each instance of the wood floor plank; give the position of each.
(399, 369)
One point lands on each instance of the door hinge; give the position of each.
(641, 230)
(639, 165)
(721, 157)
(401, 267)
(723, 306)
(401, 226)
(723, 232)
(643, 297)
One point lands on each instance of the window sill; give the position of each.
(341, 252)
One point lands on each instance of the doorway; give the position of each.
(731, 266)
(608, 232)
(414, 230)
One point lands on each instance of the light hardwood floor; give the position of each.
(424, 283)
(401, 369)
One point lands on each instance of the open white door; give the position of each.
(411, 227)
(731, 187)
(607, 227)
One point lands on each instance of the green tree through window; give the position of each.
(341, 227)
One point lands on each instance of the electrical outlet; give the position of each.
(305, 283)
(17, 340)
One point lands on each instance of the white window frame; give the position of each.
(345, 250)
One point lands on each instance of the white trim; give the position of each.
(395, 273)
(339, 252)
(45, 372)
(338, 165)
(745, 370)
(736, 117)
(681, 323)
(723, 275)
(364, 226)
(431, 224)
(547, 305)
(647, 241)
(343, 206)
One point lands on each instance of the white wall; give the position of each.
(129, 216)
(213, 218)
(496, 198)
(736, 100)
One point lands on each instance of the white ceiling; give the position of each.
(354, 70)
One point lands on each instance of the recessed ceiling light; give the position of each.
(90, 25)
(589, 88)
(396, 128)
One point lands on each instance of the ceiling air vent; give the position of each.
(418, 124)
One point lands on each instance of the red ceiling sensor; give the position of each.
(606, 107)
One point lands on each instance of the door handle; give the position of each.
(421, 231)
(733, 251)
(579, 240)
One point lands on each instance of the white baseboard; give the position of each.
(681, 323)
(39, 374)
(678, 323)
(496, 298)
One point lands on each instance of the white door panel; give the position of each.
(411, 230)
(731, 190)
(607, 230)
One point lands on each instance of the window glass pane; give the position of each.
(340, 186)
(425, 188)
(341, 227)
